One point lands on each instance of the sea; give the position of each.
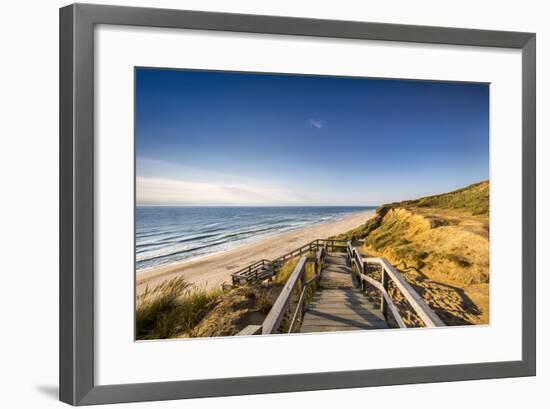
(167, 235)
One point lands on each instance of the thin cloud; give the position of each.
(316, 123)
(161, 191)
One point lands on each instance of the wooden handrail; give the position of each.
(299, 308)
(252, 271)
(277, 313)
(275, 316)
(423, 310)
(320, 259)
(251, 330)
(426, 314)
(319, 262)
(273, 320)
(387, 299)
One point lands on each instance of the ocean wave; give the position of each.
(181, 251)
(164, 237)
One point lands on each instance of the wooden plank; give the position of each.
(373, 282)
(345, 320)
(340, 301)
(335, 302)
(249, 272)
(333, 324)
(362, 310)
(426, 314)
(341, 297)
(314, 323)
(310, 330)
(340, 309)
(389, 302)
(341, 292)
(384, 282)
(394, 311)
(346, 323)
(356, 310)
(297, 312)
(336, 273)
(300, 306)
(251, 330)
(275, 316)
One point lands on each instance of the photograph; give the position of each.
(265, 204)
(272, 203)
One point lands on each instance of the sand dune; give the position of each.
(212, 271)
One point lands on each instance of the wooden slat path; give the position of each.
(338, 305)
(336, 273)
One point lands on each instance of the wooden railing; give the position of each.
(283, 305)
(300, 307)
(259, 270)
(388, 272)
(265, 269)
(284, 308)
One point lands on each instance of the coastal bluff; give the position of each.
(440, 244)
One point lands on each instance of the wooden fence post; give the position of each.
(302, 288)
(361, 268)
(384, 280)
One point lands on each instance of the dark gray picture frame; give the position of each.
(77, 383)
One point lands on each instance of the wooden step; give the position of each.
(352, 314)
(339, 305)
(341, 309)
(338, 260)
(336, 273)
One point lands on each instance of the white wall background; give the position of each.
(29, 200)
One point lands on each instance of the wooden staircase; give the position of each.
(338, 305)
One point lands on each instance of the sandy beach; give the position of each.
(212, 271)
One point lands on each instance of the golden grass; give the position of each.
(473, 199)
(172, 308)
(441, 246)
(175, 309)
(237, 308)
(444, 256)
(287, 269)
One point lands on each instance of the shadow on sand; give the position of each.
(451, 319)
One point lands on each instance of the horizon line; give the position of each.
(253, 205)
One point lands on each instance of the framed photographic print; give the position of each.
(254, 204)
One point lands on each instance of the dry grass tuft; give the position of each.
(236, 309)
(287, 269)
(172, 308)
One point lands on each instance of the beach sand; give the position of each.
(212, 271)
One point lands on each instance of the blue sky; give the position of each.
(221, 138)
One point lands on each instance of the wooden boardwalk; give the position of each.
(338, 305)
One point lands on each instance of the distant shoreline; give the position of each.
(257, 206)
(251, 240)
(214, 269)
(171, 235)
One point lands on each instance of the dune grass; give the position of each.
(390, 233)
(284, 274)
(440, 244)
(473, 199)
(172, 308)
(177, 309)
(287, 269)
